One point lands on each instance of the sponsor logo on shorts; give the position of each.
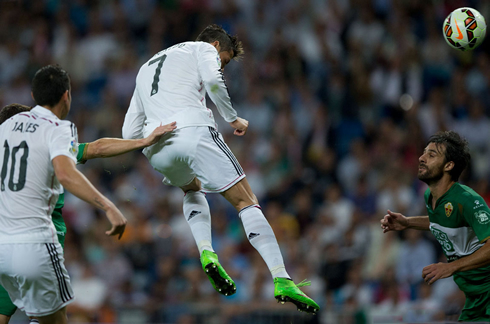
(252, 235)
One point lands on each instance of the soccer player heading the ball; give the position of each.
(459, 219)
(172, 86)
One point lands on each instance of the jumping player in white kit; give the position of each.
(38, 156)
(172, 86)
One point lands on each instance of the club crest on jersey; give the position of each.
(482, 217)
(448, 208)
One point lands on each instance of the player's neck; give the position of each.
(57, 110)
(439, 188)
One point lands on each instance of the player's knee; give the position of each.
(241, 195)
(254, 199)
(246, 201)
(249, 198)
(57, 318)
(240, 202)
(195, 185)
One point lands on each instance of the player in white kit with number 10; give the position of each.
(38, 156)
(172, 86)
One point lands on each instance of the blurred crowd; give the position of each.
(341, 96)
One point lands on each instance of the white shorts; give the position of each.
(35, 277)
(195, 152)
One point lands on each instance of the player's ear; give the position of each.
(449, 166)
(65, 96)
(216, 45)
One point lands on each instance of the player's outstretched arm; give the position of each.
(108, 147)
(397, 222)
(76, 183)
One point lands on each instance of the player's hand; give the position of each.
(240, 125)
(159, 132)
(436, 271)
(118, 222)
(393, 222)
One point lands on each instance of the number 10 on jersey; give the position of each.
(22, 169)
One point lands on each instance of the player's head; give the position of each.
(51, 87)
(446, 152)
(11, 110)
(229, 47)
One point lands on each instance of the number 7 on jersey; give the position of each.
(156, 77)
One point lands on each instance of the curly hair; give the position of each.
(11, 110)
(457, 151)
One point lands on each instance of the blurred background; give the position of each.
(341, 96)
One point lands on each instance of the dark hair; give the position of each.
(49, 85)
(457, 151)
(11, 110)
(227, 42)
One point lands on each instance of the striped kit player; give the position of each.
(459, 218)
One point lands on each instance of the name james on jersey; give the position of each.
(30, 127)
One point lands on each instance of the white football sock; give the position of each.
(262, 238)
(34, 321)
(198, 216)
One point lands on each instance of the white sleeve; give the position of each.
(209, 65)
(64, 141)
(134, 119)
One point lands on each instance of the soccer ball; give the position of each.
(464, 29)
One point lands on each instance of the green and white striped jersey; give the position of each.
(461, 224)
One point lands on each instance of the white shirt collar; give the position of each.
(40, 110)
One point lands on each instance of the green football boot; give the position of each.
(285, 290)
(220, 280)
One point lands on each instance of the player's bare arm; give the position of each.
(440, 270)
(240, 125)
(397, 222)
(76, 183)
(108, 147)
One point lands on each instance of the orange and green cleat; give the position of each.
(285, 290)
(220, 280)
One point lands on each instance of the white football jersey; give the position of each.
(172, 86)
(29, 188)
